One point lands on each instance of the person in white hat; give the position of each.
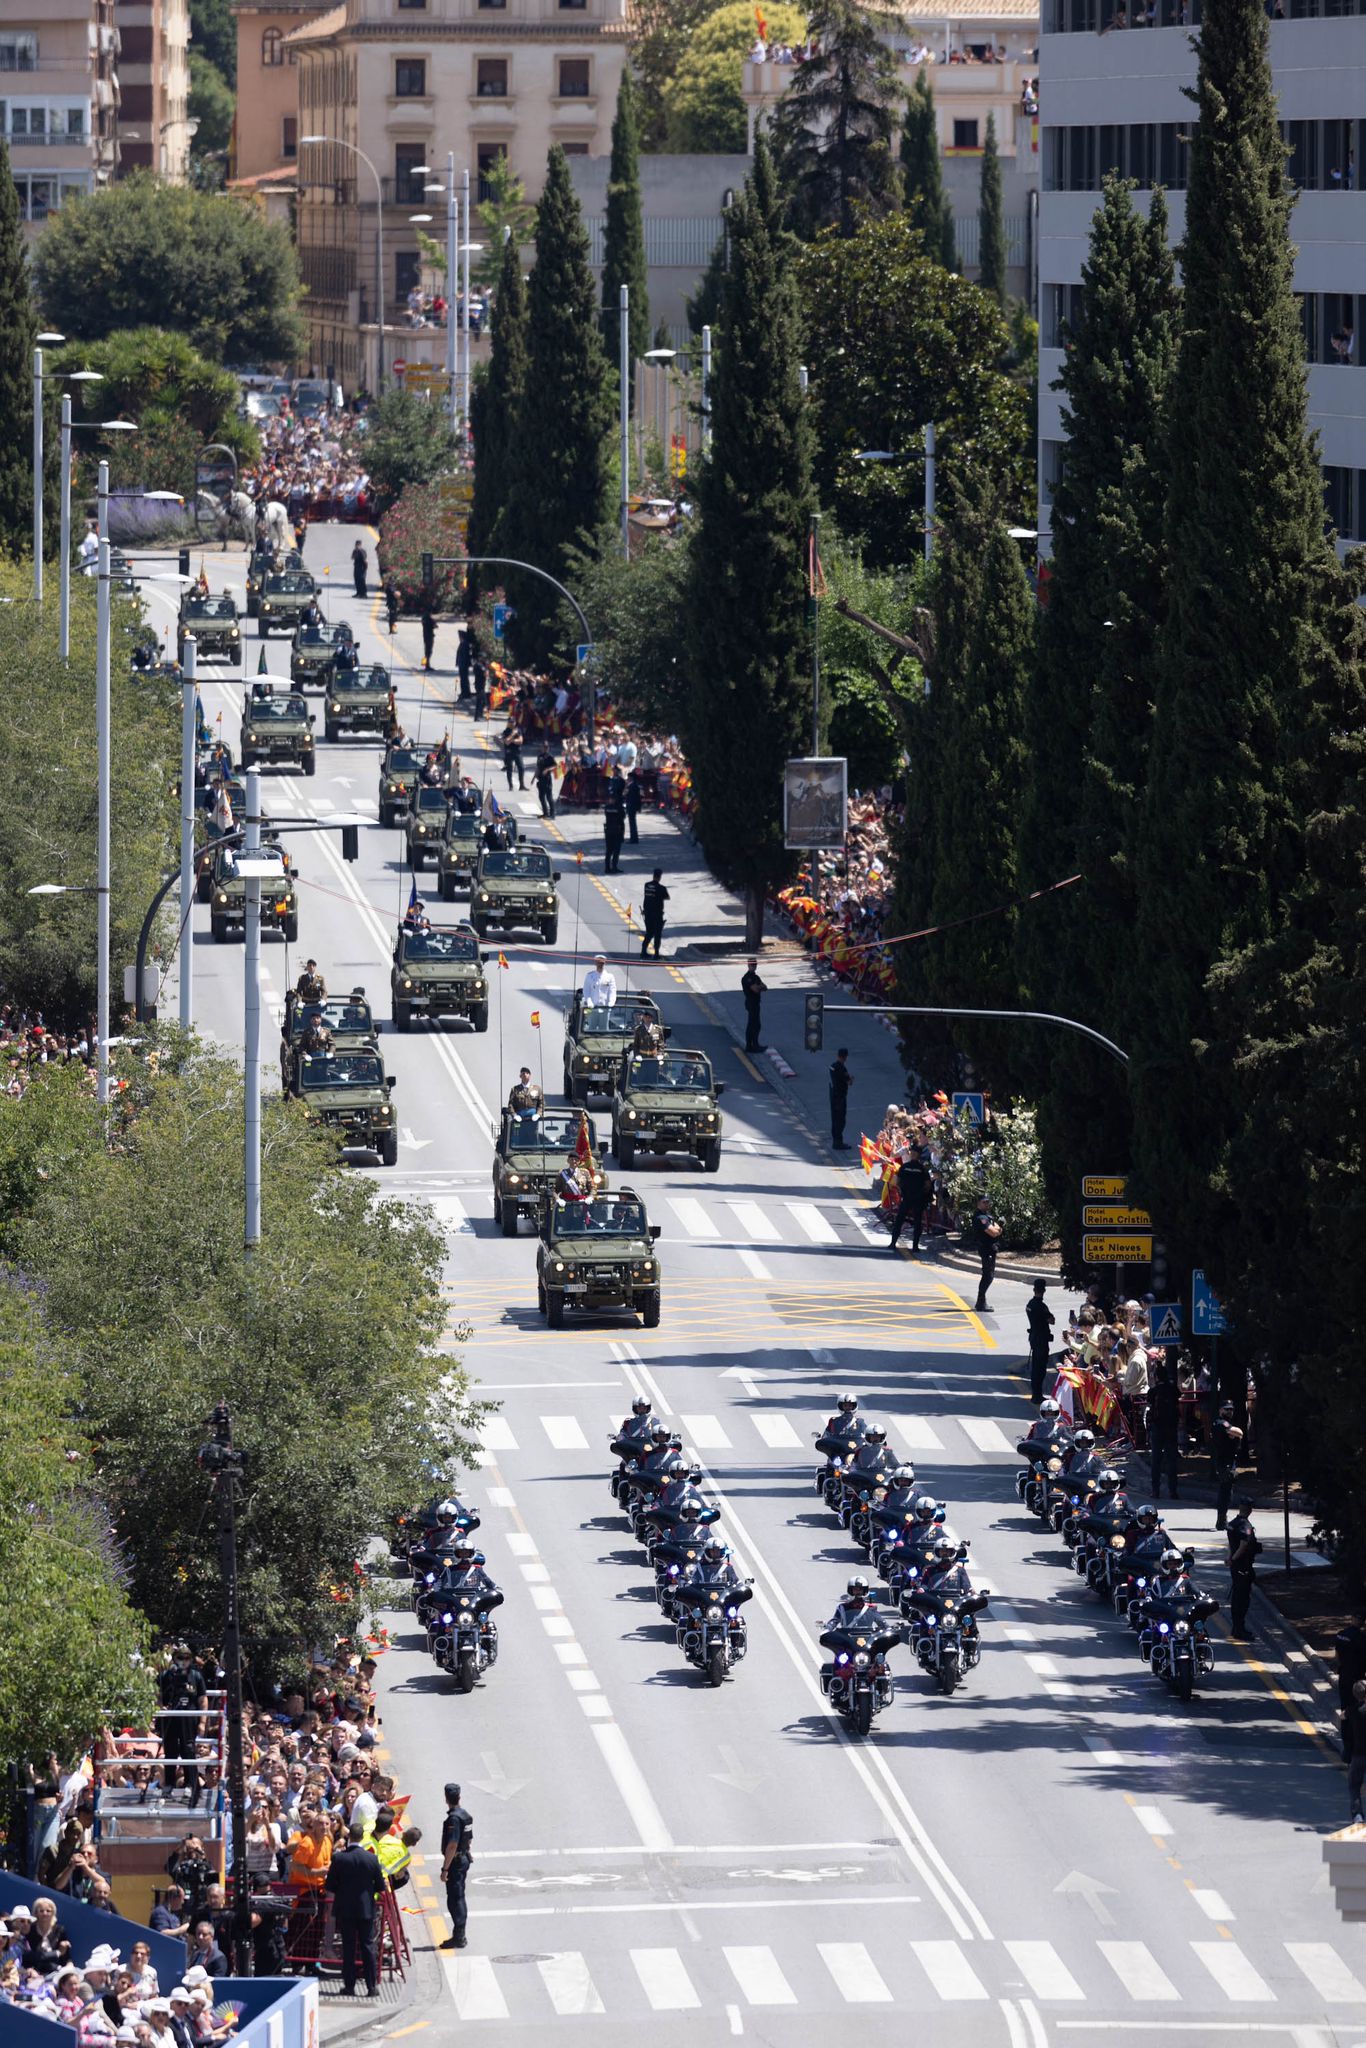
(599, 984)
(157, 2014)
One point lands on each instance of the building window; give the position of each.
(407, 273)
(491, 4)
(574, 148)
(289, 137)
(491, 78)
(965, 135)
(574, 78)
(272, 48)
(19, 52)
(409, 181)
(416, 5)
(486, 156)
(579, 5)
(410, 78)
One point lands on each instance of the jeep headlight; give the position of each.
(514, 1180)
(406, 982)
(583, 1061)
(222, 896)
(385, 1113)
(559, 1265)
(630, 1116)
(334, 707)
(252, 738)
(646, 1270)
(233, 634)
(484, 896)
(710, 1117)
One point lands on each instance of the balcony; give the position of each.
(45, 141)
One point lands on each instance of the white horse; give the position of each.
(278, 530)
(243, 512)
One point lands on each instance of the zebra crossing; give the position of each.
(1205, 1976)
(959, 1438)
(719, 1220)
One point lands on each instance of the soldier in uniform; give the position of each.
(316, 1038)
(310, 987)
(648, 1037)
(526, 1097)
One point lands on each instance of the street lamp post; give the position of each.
(251, 868)
(102, 669)
(465, 305)
(187, 877)
(70, 427)
(38, 465)
(339, 143)
(227, 1468)
(623, 358)
(452, 243)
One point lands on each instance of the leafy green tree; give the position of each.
(623, 256)
(702, 97)
(703, 306)
(75, 1663)
(326, 1347)
(214, 33)
(867, 620)
(991, 221)
(495, 405)
(832, 131)
(146, 254)
(212, 104)
(1089, 707)
(922, 172)
(18, 326)
(558, 451)
(925, 345)
(662, 32)
(506, 215)
(1255, 654)
(410, 442)
(179, 399)
(748, 647)
(639, 611)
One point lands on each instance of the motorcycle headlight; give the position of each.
(1183, 1628)
(861, 1661)
(1162, 1629)
(713, 1614)
(1116, 1543)
(843, 1657)
(447, 1619)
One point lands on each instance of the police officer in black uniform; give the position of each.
(181, 1689)
(986, 1232)
(1225, 1441)
(1243, 1550)
(457, 1838)
(914, 1188)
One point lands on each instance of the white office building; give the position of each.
(1112, 74)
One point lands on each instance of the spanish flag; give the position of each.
(535, 1020)
(502, 959)
(762, 26)
(583, 1145)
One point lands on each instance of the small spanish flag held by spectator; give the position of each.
(502, 959)
(535, 1020)
(578, 857)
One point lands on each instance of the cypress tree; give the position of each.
(558, 458)
(703, 306)
(1254, 653)
(749, 665)
(832, 129)
(494, 405)
(623, 258)
(1089, 707)
(991, 221)
(922, 173)
(18, 326)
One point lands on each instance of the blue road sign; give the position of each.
(973, 1104)
(501, 614)
(1164, 1322)
(582, 652)
(1207, 1311)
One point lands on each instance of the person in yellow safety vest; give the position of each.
(394, 1850)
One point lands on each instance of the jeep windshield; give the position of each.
(317, 636)
(290, 583)
(517, 861)
(352, 679)
(431, 800)
(440, 946)
(335, 1016)
(604, 1216)
(464, 825)
(402, 760)
(227, 864)
(261, 710)
(680, 1072)
(341, 1070)
(615, 1017)
(211, 608)
(528, 1132)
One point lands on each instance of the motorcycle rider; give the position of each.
(716, 1567)
(846, 1422)
(857, 1609)
(871, 1461)
(946, 1574)
(467, 1575)
(640, 1423)
(1048, 1426)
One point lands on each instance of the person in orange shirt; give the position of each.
(310, 1858)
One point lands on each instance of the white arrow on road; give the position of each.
(344, 781)
(411, 1143)
(495, 1780)
(735, 1773)
(1076, 1885)
(746, 1378)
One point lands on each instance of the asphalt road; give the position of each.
(1060, 1853)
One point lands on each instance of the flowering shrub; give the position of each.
(1007, 1168)
(422, 520)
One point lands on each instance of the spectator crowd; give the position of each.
(311, 465)
(840, 901)
(27, 1046)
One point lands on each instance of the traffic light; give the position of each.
(428, 571)
(184, 561)
(1157, 1272)
(815, 1021)
(350, 842)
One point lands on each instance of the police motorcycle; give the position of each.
(676, 1554)
(1146, 1543)
(634, 1437)
(837, 1443)
(707, 1603)
(1173, 1638)
(1044, 1449)
(1078, 1481)
(461, 1634)
(857, 1681)
(905, 1551)
(862, 1474)
(674, 1502)
(432, 1549)
(941, 1607)
(647, 1474)
(887, 1509)
(1100, 1538)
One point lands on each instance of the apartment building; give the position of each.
(402, 82)
(154, 81)
(59, 98)
(265, 136)
(1112, 94)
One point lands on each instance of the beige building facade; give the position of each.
(154, 82)
(405, 82)
(265, 135)
(59, 99)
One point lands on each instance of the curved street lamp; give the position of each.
(307, 141)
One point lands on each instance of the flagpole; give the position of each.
(628, 951)
(500, 971)
(540, 1048)
(578, 858)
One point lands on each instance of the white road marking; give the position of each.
(856, 1977)
(809, 1218)
(557, 1625)
(1138, 1970)
(500, 1497)
(1211, 1904)
(565, 1432)
(1152, 1819)
(571, 1653)
(988, 1436)
(752, 1220)
(323, 803)
(477, 1996)
(546, 1599)
(1041, 1666)
(536, 1574)
(777, 1432)
(1232, 1972)
(1043, 1969)
(752, 1263)
(916, 1433)
(496, 1435)
(520, 1544)
(948, 1969)
(705, 1432)
(630, 1781)
(566, 1979)
(693, 1216)
(1101, 1750)
(662, 1976)
(756, 1972)
(450, 1213)
(582, 1681)
(596, 1707)
(1019, 1632)
(1326, 1971)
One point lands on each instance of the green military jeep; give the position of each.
(398, 774)
(313, 652)
(261, 565)
(286, 595)
(348, 1021)
(666, 1102)
(424, 826)
(350, 1092)
(277, 728)
(438, 971)
(459, 850)
(595, 1255)
(214, 624)
(595, 1037)
(228, 897)
(532, 1151)
(356, 702)
(514, 886)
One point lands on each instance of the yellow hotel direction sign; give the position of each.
(1103, 1187)
(1118, 1248)
(1114, 1216)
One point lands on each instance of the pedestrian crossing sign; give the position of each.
(1164, 1321)
(970, 1104)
